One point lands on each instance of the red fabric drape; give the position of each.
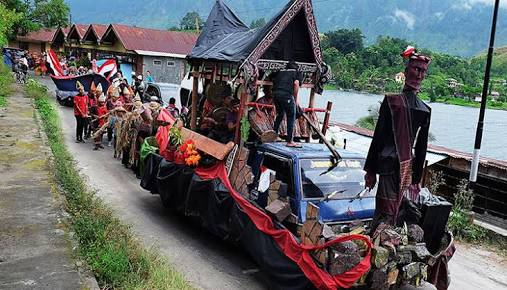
(298, 253)
(162, 135)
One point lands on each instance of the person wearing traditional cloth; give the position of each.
(114, 102)
(267, 99)
(126, 95)
(285, 91)
(175, 112)
(398, 149)
(80, 111)
(100, 117)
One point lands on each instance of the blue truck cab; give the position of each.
(306, 175)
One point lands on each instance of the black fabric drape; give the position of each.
(209, 203)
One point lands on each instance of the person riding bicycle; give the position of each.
(20, 70)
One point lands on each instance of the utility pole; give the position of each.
(485, 89)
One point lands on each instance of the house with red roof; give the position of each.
(161, 52)
(35, 41)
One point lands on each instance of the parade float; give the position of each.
(301, 213)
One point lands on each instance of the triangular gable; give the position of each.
(90, 35)
(94, 33)
(291, 35)
(110, 35)
(60, 35)
(76, 32)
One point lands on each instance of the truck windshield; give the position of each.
(346, 180)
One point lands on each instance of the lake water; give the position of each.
(453, 126)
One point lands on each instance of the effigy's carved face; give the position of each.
(415, 73)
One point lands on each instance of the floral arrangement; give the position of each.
(187, 154)
(175, 136)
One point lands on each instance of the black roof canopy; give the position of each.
(290, 35)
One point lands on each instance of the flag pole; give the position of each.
(485, 89)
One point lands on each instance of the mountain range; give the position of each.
(459, 27)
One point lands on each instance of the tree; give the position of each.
(191, 21)
(36, 14)
(8, 18)
(331, 56)
(345, 40)
(51, 13)
(258, 23)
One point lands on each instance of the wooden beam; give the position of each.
(207, 145)
(195, 100)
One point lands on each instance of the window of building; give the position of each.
(157, 62)
(171, 63)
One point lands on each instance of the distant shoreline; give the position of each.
(448, 101)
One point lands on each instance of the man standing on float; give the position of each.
(398, 149)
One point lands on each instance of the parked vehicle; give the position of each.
(164, 91)
(308, 176)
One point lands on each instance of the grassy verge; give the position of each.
(117, 259)
(463, 228)
(461, 220)
(5, 83)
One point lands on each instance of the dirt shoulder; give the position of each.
(35, 251)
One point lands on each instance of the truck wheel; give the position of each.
(61, 102)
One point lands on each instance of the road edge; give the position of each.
(83, 210)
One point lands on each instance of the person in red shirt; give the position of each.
(101, 118)
(80, 111)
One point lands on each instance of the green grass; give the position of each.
(6, 81)
(464, 229)
(115, 256)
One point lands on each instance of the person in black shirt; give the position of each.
(285, 90)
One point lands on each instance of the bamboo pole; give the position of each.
(312, 99)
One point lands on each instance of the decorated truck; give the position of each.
(301, 213)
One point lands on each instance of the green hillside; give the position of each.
(499, 68)
(454, 27)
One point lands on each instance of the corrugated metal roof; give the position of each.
(43, 35)
(97, 30)
(80, 29)
(132, 38)
(136, 38)
(435, 149)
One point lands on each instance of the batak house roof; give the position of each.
(147, 41)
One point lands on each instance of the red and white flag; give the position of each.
(54, 63)
(108, 69)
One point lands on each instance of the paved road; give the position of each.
(207, 262)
